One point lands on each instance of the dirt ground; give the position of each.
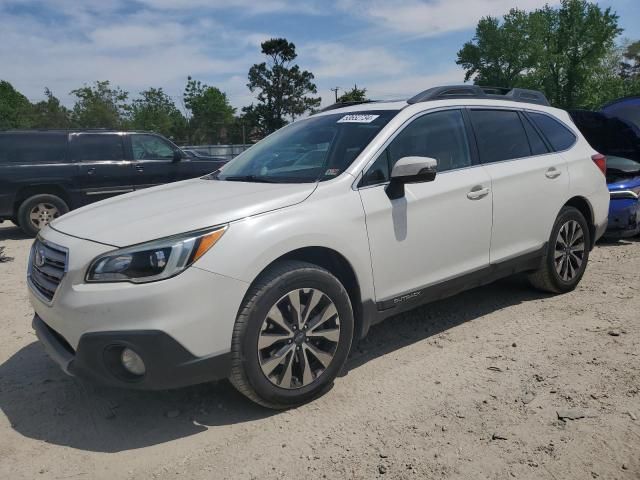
(471, 387)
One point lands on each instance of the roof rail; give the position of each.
(344, 104)
(475, 91)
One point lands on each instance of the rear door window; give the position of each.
(559, 136)
(33, 148)
(89, 147)
(500, 135)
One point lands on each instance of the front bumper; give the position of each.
(168, 364)
(182, 326)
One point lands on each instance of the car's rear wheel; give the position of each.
(567, 253)
(38, 211)
(292, 335)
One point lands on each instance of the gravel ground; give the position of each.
(471, 387)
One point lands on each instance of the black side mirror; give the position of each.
(177, 155)
(411, 170)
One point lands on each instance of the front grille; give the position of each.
(47, 266)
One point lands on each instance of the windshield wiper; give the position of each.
(249, 178)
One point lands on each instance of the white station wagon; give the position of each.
(268, 270)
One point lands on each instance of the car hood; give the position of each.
(176, 208)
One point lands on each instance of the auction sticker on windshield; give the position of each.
(358, 118)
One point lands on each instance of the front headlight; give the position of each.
(156, 260)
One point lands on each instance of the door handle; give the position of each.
(91, 171)
(140, 168)
(478, 192)
(553, 172)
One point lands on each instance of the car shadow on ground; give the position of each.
(9, 232)
(42, 403)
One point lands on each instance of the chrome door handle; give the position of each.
(553, 172)
(140, 168)
(478, 192)
(91, 171)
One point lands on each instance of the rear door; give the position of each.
(104, 170)
(530, 182)
(439, 230)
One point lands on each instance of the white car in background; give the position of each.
(267, 271)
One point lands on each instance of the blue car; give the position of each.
(614, 132)
(623, 178)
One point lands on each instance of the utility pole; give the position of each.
(335, 90)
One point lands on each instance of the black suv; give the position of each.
(46, 173)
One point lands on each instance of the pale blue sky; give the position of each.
(394, 48)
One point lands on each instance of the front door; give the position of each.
(439, 230)
(154, 161)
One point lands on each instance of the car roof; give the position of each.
(71, 130)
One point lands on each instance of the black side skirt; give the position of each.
(431, 293)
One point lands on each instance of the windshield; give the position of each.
(310, 150)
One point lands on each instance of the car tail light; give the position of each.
(600, 161)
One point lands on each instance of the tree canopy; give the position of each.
(283, 89)
(561, 51)
(99, 106)
(155, 111)
(354, 95)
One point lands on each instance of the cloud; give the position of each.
(431, 18)
(335, 60)
(406, 86)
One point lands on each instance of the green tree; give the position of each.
(50, 113)
(100, 106)
(155, 111)
(556, 50)
(499, 53)
(211, 113)
(630, 63)
(354, 95)
(571, 42)
(283, 89)
(15, 108)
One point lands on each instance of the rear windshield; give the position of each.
(32, 147)
(315, 149)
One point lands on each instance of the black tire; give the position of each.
(547, 278)
(246, 373)
(24, 212)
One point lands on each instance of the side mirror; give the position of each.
(410, 170)
(177, 155)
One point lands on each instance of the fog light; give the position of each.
(132, 362)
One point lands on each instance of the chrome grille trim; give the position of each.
(44, 279)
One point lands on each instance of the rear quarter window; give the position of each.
(33, 148)
(559, 136)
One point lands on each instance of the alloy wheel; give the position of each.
(298, 338)
(569, 250)
(42, 214)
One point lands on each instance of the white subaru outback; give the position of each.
(266, 271)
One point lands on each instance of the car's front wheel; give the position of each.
(567, 253)
(292, 335)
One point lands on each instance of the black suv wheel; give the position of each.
(38, 211)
